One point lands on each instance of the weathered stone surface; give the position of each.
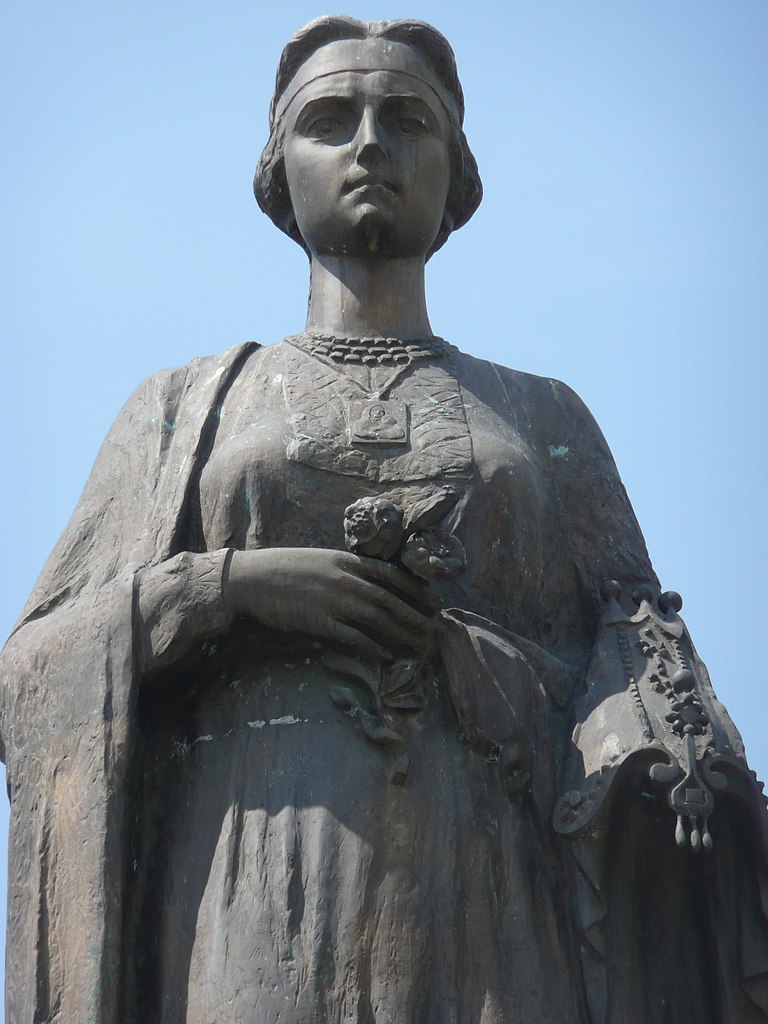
(349, 693)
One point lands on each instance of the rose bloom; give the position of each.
(373, 527)
(434, 555)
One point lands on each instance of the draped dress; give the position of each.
(321, 838)
(212, 821)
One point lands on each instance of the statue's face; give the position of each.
(366, 157)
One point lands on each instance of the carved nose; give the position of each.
(368, 144)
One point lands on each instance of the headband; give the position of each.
(364, 56)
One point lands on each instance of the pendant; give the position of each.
(377, 421)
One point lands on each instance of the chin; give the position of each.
(371, 234)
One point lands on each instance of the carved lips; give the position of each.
(370, 184)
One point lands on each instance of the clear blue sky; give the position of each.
(622, 246)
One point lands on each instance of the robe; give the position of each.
(72, 672)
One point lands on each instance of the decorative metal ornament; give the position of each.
(378, 421)
(649, 700)
(344, 420)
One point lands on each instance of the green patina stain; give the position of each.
(558, 452)
(181, 748)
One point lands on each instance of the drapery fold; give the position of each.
(113, 598)
(69, 679)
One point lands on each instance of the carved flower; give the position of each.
(373, 527)
(434, 555)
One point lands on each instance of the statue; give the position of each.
(349, 693)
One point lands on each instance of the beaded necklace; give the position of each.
(370, 351)
(375, 418)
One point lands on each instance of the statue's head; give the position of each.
(366, 152)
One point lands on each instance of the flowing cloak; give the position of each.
(70, 674)
(69, 687)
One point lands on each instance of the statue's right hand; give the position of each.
(365, 603)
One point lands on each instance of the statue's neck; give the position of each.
(368, 298)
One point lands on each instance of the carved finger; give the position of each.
(355, 638)
(379, 597)
(389, 628)
(397, 579)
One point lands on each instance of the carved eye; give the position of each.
(324, 127)
(411, 126)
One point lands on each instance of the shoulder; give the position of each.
(198, 371)
(166, 389)
(547, 395)
(548, 410)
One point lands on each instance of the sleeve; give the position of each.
(87, 580)
(592, 532)
(181, 602)
(656, 782)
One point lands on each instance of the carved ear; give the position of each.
(429, 511)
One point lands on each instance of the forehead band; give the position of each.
(397, 58)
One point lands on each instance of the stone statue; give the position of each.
(349, 693)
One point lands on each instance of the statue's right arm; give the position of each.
(117, 574)
(77, 629)
(334, 595)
